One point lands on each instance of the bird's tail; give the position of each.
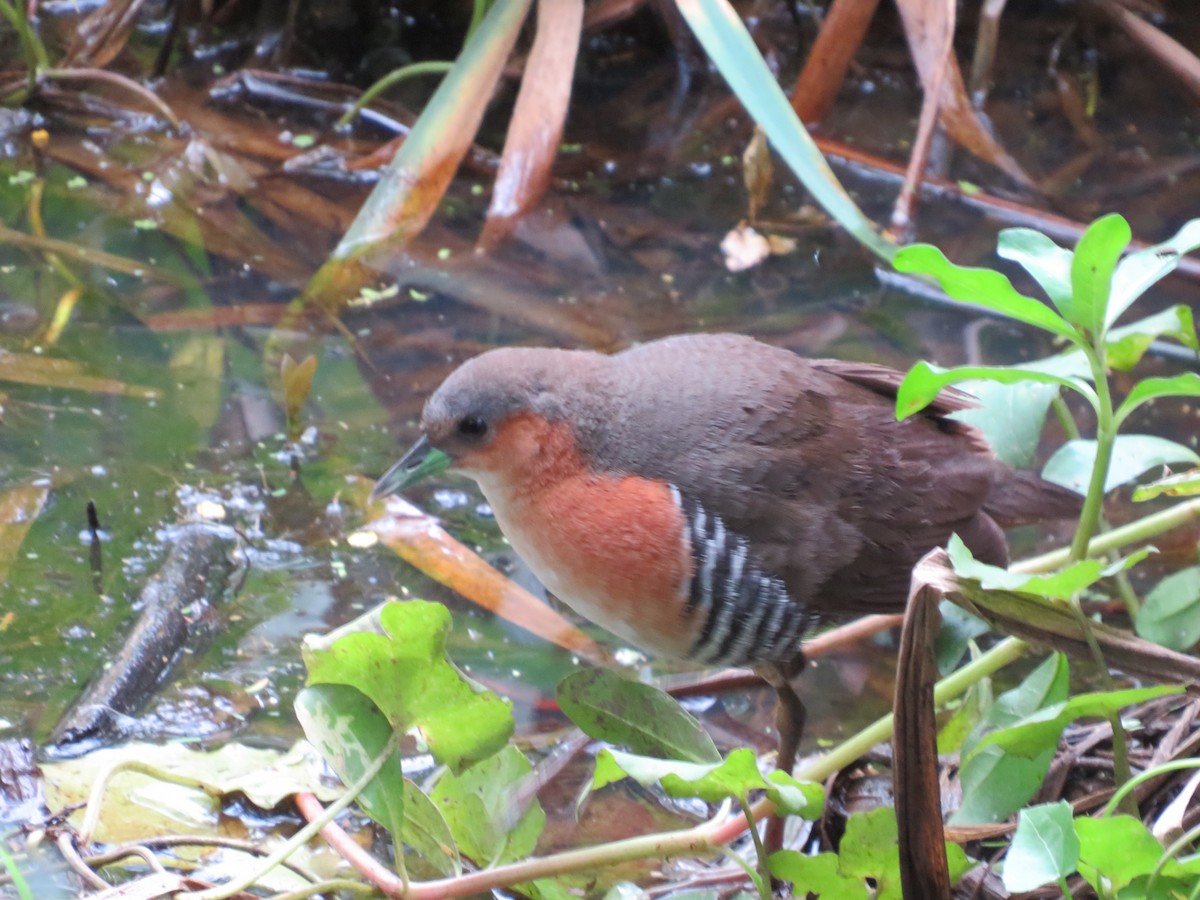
(1019, 498)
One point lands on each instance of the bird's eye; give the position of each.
(472, 426)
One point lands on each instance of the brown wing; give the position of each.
(807, 460)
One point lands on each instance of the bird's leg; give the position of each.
(789, 723)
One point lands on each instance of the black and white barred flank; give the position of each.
(747, 615)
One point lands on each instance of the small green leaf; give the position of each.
(1185, 385)
(1126, 345)
(1044, 849)
(406, 673)
(981, 287)
(1096, 256)
(1171, 614)
(733, 778)
(481, 808)
(641, 717)
(924, 381)
(1133, 454)
(1137, 272)
(1048, 263)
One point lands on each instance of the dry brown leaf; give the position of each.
(929, 26)
(537, 120)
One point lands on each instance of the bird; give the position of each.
(712, 498)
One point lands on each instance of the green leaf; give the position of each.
(1044, 849)
(349, 731)
(1171, 614)
(1185, 385)
(406, 673)
(1062, 585)
(480, 806)
(1133, 454)
(869, 849)
(924, 381)
(1041, 730)
(795, 798)
(1120, 848)
(427, 831)
(981, 287)
(1011, 416)
(643, 718)
(1126, 345)
(968, 715)
(712, 783)
(1183, 484)
(1137, 272)
(818, 875)
(1048, 263)
(1096, 256)
(725, 39)
(996, 784)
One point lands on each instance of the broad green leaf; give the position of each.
(996, 784)
(1133, 454)
(1096, 256)
(1185, 385)
(818, 875)
(1041, 730)
(869, 849)
(733, 778)
(1183, 484)
(924, 381)
(406, 673)
(1120, 848)
(639, 716)
(349, 731)
(481, 808)
(1044, 849)
(981, 287)
(1011, 416)
(1048, 263)
(720, 30)
(1139, 271)
(1171, 614)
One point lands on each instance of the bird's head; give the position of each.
(506, 414)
